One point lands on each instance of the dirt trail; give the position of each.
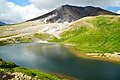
(12, 37)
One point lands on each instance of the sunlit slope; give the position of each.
(99, 34)
(15, 29)
(31, 31)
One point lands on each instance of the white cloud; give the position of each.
(12, 13)
(118, 12)
(50, 4)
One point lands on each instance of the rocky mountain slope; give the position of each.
(69, 13)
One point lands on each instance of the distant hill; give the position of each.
(69, 13)
(2, 23)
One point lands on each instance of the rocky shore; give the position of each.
(16, 76)
(11, 71)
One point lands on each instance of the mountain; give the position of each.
(69, 13)
(2, 23)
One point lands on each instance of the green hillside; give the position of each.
(99, 34)
(8, 68)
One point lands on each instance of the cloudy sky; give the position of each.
(14, 11)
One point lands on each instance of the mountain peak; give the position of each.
(66, 5)
(69, 13)
(90, 7)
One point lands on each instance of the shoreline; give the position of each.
(109, 57)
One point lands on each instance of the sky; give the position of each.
(20, 2)
(15, 11)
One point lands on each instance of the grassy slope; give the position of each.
(43, 36)
(103, 37)
(29, 38)
(11, 67)
(5, 30)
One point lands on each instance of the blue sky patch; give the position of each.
(20, 2)
(113, 9)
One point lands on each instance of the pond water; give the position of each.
(55, 58)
